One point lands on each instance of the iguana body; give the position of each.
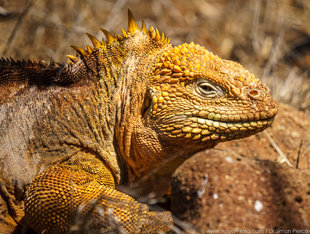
(70, 133)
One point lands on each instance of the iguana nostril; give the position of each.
(254, 93)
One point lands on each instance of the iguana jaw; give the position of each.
(201, 130)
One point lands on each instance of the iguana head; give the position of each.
(175, 101)
(201, 99)
(198, 100)
(194, 100)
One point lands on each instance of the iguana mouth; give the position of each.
(228, 127)
(197, 128)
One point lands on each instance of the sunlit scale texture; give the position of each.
(243, 107)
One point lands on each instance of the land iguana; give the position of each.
(70, 133)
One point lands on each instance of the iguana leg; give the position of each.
(11, 207)
(59, 194)
(7, 223)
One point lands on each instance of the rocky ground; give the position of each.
(261, 182)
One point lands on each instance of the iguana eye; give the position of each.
(207, 89)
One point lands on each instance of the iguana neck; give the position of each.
(122, 69)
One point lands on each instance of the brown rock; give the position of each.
(218, 190)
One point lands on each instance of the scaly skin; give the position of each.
(71, 133)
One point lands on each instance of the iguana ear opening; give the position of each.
(146, 104)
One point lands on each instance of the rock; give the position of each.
(221, 189)
(218, 190)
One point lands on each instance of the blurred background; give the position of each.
(271, 38)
